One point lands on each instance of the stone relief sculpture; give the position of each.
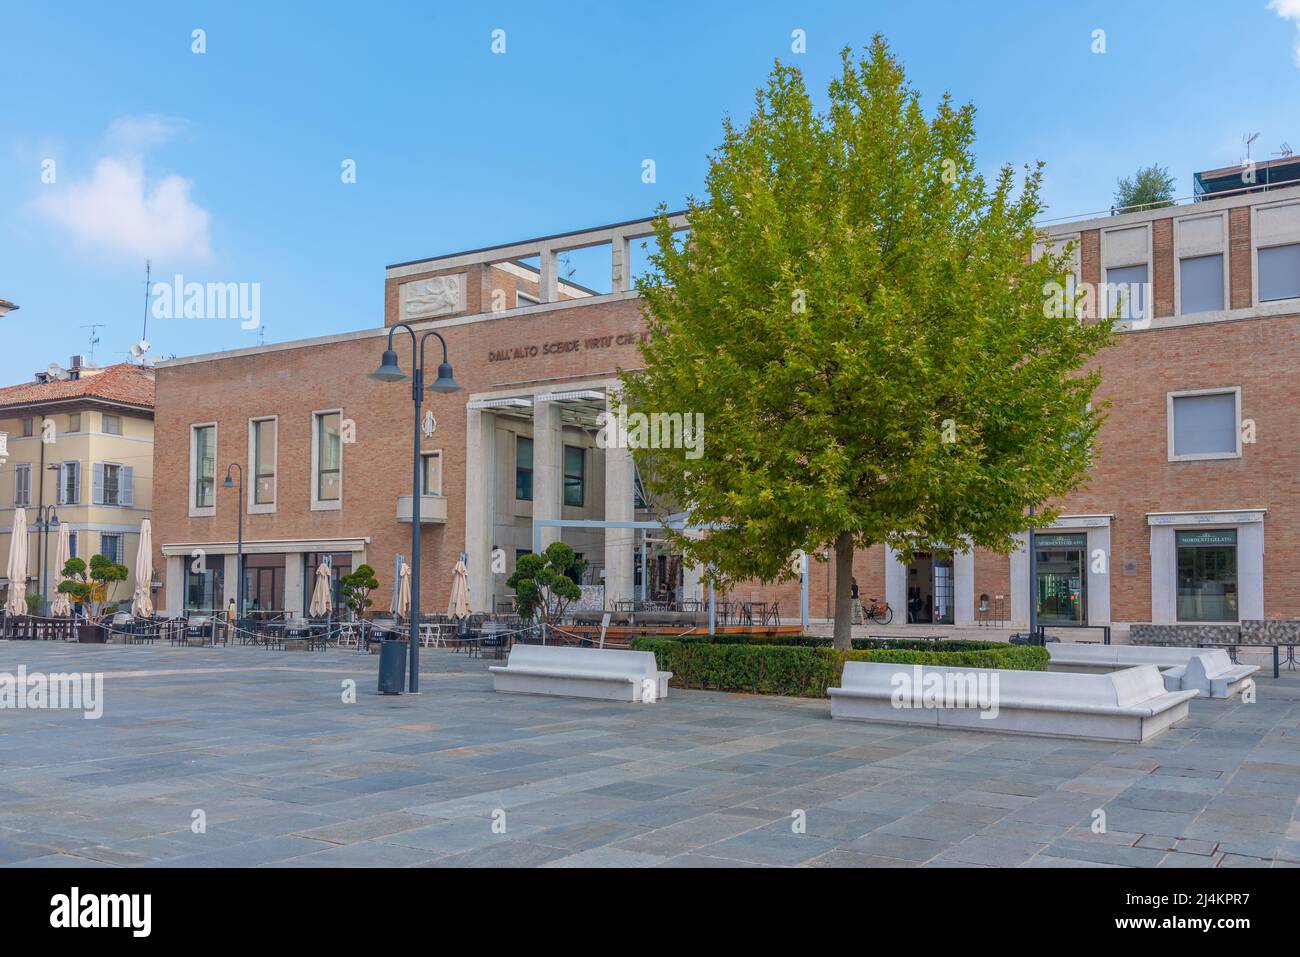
(433, 297)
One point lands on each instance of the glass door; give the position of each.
(1061, 568)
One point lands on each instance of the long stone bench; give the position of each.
(1131, 705)
(1214, 675)
(581, 673)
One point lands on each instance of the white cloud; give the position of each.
(1289, 10)
(119, 210)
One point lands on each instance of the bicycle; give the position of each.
(878, 611)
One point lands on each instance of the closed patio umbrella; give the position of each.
(142, 604)
(61, 607)
(458, 607)
(320, 596)
(17, 568)
(404, 591)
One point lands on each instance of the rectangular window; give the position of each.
(575, 475)
(110, 546)
(72, 545)
(22, 486)
(29, 428)
(112, 424)
(1279, 273)
(74, 422)
(204, 452)
(1207, 575)
(1126, 292)
(523, 468)
(264, 440)
(112, 484)
(69, 483)
(329, 456)
(1200, 284)
(1204, 425)
(431, 470)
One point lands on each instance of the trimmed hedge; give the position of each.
(859, 644)
(806, 672)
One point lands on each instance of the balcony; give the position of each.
(433, 509)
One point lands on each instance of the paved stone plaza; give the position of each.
(287, 774)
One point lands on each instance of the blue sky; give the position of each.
(225, 166)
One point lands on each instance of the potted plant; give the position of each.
(355, 590)
(92, 585)
(545, 584)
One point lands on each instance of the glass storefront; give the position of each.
(1062, 574)
(205, 589)
(340, 566)
(263, 584)
(1207, 575)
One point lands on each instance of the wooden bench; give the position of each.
(581, 673)
(1130, 706)
(1214, 675)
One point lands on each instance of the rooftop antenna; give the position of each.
(140, 348)
(94, 339)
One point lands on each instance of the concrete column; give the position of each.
(480, 504)
(1099, 572)
(1164, 576)
(293, 583)
(692, 578)
(548, 467)
(963, 589)
(547, 281)
(895, 585)
(619, 507)
(175, 593)
(1250, 571)
(1020, 587)
(619, 281)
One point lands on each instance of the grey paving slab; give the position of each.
(287, 775)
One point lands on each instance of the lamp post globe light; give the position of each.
(239, 542)
(390, 371)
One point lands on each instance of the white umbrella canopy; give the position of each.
(17, 567)
(61, 607)
(404, 591)
(458, 607)
(142, 603)
(320, 596)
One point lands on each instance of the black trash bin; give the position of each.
(392, 665)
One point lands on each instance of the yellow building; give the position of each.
(80, 446)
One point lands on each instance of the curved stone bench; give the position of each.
(1214, 675)
(1132, 705)
(581, 673)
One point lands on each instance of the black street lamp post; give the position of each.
(389, 371)
(46, 518)
(239, 542)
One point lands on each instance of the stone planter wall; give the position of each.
(1271, 631)
(1186, 635)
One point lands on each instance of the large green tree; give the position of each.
(859, 316)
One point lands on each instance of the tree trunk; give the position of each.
(844, 590)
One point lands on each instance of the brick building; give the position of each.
(1191, 513)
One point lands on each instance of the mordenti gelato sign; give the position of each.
(562, 346)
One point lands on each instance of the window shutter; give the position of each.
(97, 487)
(126, 481)
(61, 493)
(76, 483)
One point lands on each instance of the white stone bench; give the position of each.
(1214, 675)
(581, 673)
(1211, 673)
(1131, 705)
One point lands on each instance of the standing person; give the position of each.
(857, 603)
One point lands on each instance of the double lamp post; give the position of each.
(389, 371)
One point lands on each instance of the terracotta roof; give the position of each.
(121, 384)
